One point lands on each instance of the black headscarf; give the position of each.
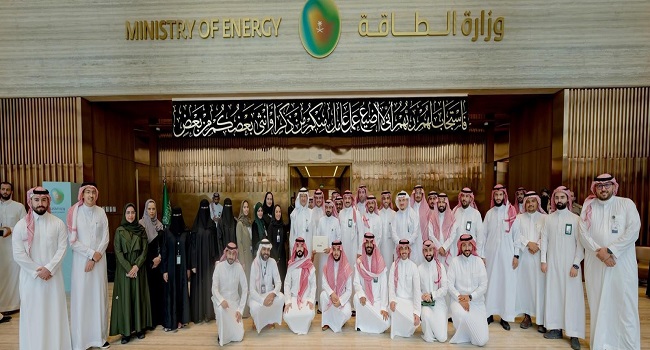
(203, 219)
(227, 217)
(177, 224)
(133, 227)
(268, 211)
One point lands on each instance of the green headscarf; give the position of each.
(133, 227)
(259, 222)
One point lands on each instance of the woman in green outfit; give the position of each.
(131, 311)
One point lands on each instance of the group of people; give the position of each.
(414, 266)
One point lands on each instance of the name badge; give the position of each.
(178, 259)
(568, 229)
(468, 226)
(349, 222)
(277, 238)
(375, 279)
(614, 226)
(263, 289)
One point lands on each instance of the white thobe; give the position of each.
(269, 282)
(612, 291)
(369, 223)
(467, 276)
(434, 318)
(406, 296)
(215, 211)
(499, 251)
(406, 225)
(227, 283)
(385, 241)
(336, 317)
(300, 227)
(316, 214)
(416, 242)
(469, 221)
(440, 240)
(10, 213)
(299, 316)
(329, 227)
(89, 290)
(560, 249)
(350, 231)
(369, 318)
(361, 207)
(43, 309)
(531, 282)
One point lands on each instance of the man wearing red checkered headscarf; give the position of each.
(337, 289)
(609, 227)
(300, 289)
(370, 222)
(40, 240)
(501, 257)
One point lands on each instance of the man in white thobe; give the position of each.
(422, 211)
(443, 229)
(337, 289)
(301, 220)
(362, 197)
(469, 219)
(215, 207)
(527, 231)
(350, 221)
(318, 211)
(370, 222)
(10, 212)
(329, 227)
(387, 215)
(520, 207)
(88, 232)
(561, 254)
(433, 291)
(265, 301)
(405, 223)
(371, 289)
(40, 241)
(404, 293)
(467, 280)
(228, 280)
(609, 226)
(502, 258)
(299, 289)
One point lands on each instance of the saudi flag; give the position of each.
(167, 208)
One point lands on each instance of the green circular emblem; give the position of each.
(320, 27)
(57, 196)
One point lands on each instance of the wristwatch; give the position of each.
(470, 297)
(577, 267)
(517, 256)
(609, 251)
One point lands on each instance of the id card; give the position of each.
(568, 229)
(614, 226)
(178, 259)
(375, 279)
(349, 222)
(468, 226)
(277, 238)
(263, 289)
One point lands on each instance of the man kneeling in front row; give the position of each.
(227, 280)
(337, 289)
(266, 300)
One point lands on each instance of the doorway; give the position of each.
(329, 178)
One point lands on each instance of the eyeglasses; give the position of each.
(606, 186)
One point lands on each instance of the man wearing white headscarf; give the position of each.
(10, 212)
(502, 258)
(40, 240)
(433, 290)
(362, 197)
(301, 216)
(88, 232)
(299, 289)
(351, 225)
(404, 293)
(387, 215)
(609, 227)
(370, 222)
(422, 209)
(527, 231)
(405, 224)
(468, 281)
(266, 300)
(228, 280)
(337, 289)
(561, 254)
(469, 219)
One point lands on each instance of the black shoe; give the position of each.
(5, 319)
(541, 329)
(553, 334)
(125, 339)
(358, 329)
(505, 324)
(450, 320)
(319, 312)
(354, 313)
(490, 319)
(526, 323)
(325, 327)
(575, 343)
(140, 335)
(105, 346)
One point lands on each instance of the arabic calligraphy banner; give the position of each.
(338, 117)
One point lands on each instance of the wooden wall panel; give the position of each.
(41, 141)
(608, 131)
(78, 48)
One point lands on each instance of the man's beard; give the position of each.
(299, 253)
(40, 210)
(328, 214)
(441, 209)
(498, 204)
(464, 205)
(432, 207)
(560, 206)
(5, 197)
(370, 250)
(335, 259)
(428, 257)
(467, 252)
(265, 257)
(230, 261)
